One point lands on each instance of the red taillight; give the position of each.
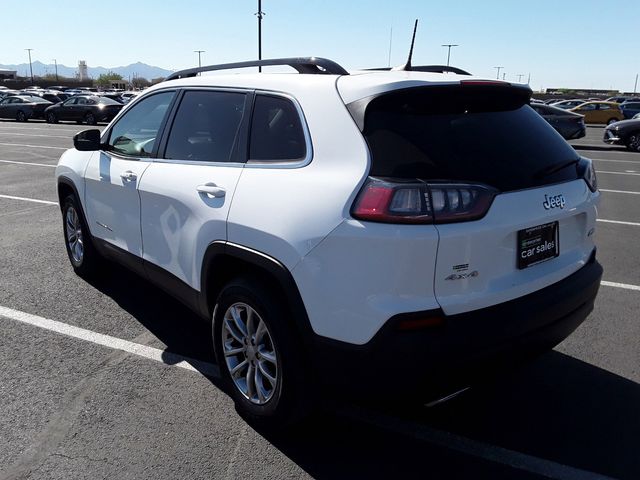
(396, 201)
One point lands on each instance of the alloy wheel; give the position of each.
(249, 353)
(73, 229)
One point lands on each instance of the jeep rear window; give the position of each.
(485, 134)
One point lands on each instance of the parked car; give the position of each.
(626, 132)
(620, 99)
(47, 95)
(568, 104)
(389, 229)
(629, 109)
(84, 108)
(550, 101)
(568, 124)
(128, 96)
(599, 112)
(8, 93)
(23, 107)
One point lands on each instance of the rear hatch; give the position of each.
(506, 193)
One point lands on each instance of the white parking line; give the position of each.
(24, 199)
(59, 126)
(626, 286)
(33, 146)
(151, 353)
(617, 173)
(616, 161)
(34, 135)
(493, 453)
(619, 191)
(619, 222)
(28, 163)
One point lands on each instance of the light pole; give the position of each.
(498, 74)
(635, 85)
(259, 14)
(30, 66)
(520, 75)
(449, 45)
(55, 62)
(199, 52)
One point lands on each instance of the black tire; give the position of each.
(291, 400)
(21, 116)
(90, 118)
(51, 117)
(633, 142)
(86, 264)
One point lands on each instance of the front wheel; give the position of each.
(21, 116)
(82, 254)
(51, 117)
(90, 118)
(259, 358)
(633, 143)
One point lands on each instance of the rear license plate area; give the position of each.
(538, 244)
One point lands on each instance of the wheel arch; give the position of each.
(224, 261)
(66, 187)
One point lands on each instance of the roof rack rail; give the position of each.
(307, 65)
(427, 68)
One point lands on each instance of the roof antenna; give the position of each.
(407, 66)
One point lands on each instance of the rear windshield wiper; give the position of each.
(555, 168)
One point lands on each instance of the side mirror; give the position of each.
(87, 140)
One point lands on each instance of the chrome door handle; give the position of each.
(212, 190)
(128, 176)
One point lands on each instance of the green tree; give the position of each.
(105, 79)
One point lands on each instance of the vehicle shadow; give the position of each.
(557, 408)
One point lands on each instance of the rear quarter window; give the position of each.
(276, 131)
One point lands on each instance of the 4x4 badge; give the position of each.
(462, 276)
(553, 201)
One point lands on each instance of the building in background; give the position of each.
(8, 74)
(83, 73)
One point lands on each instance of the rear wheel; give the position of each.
(90, 118)
(633, 142)
(259, 358)
(21, 116)
(51, 117)
(82, 254)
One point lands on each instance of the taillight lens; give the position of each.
(588, 171)
(397, 201)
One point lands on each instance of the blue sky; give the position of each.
(561, 43)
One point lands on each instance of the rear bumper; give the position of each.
(466, 347)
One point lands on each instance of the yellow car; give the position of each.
(600, 112)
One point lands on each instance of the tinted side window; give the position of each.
(206, 126)
(136, 132)
(276, 131)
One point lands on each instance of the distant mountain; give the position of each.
(138, 69)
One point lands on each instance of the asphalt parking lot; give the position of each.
(114, 379)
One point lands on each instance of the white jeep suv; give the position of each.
(383, 231)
